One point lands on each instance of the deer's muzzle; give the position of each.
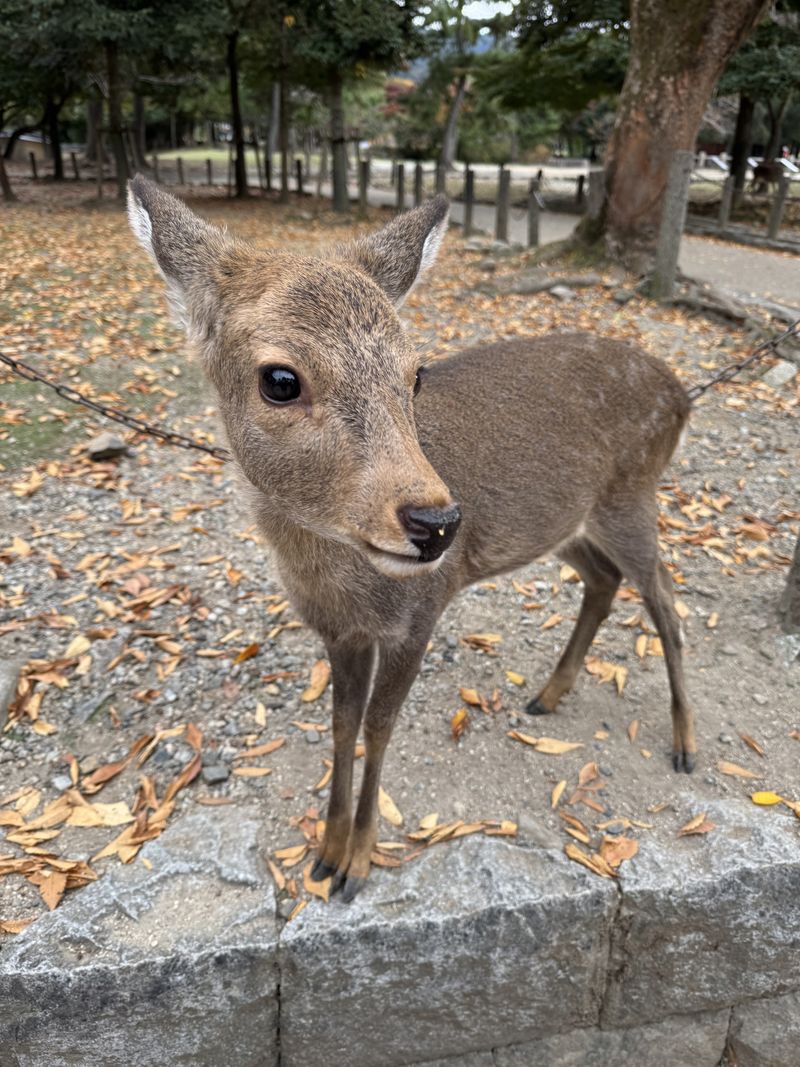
(430, 530)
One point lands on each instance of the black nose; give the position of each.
(431, 530)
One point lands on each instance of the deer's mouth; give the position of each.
(398, 564)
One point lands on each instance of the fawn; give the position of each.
(383, 491)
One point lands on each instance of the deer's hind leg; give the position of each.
(629, 536)
(601, 580)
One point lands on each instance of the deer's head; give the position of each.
(315, 378)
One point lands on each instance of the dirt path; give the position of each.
(147, 578)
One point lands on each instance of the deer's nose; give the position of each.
(431, 530)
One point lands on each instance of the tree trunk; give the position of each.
(274, 119)
(94, 120)
(742, 143)
(115, 120)
(139, 141)
(50, 125)
(450, 137)
(5, 184)
(677, 53)
(284, 140)
(790, 603)
(776, 118)
(15, 136)
(341, 201)
(240, 163)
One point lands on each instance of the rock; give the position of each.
(176, 964)
(780, 374)
(106, 446)
(9, 676)
(622, 296)
(676, 1042)
(215, 774)
(534, 831)
(312, 736)
(766, 1033)
(488, 265)
(478, 944)
(563, 292)
(91, 707)
(529, 285)
(673, 951)
(61, 782)
(726, 739)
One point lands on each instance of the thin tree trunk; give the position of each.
(677, 55)
(742, 143)
(5, 184)
(790, 602)
(284, 141)
(173, 130)
(450, 137)
(115, 120)
(139, 141)
(274, 119)
(341, 200)
(776, 118)
(94, 120)
(51, 110)
(240, 164)
(15, 136)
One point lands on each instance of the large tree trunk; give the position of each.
(94, 122)
(776, 117)
(678, 51)
(115, 120)
(240, 163)
(742, 143)
(5, 184)
(284, 140)
(450, 137)
(341, 201)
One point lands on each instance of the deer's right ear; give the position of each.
(184, 247)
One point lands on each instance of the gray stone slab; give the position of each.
(469, 1059)
(680, 1041)
(709, 921)
(176, 964)
(766, 1033)
(478, 944)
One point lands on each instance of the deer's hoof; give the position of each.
(683, 761)
(352, 887)
(322, 870)
(536, 707)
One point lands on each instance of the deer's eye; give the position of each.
(278, 385)
(418, 380)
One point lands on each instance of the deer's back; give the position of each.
(530, 435)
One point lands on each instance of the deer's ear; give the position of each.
(186, 249)
(397, 255)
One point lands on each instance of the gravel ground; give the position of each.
(83, 545)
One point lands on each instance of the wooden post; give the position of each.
(32, 158)
(597, 192)
(579, 195)
(75, 170)
(209, 172)
(673, 220)
(401, 187)
(393, 175)
(298, 166)
(726, 201)
(533, 213)
(179, 161)
(503, 197)
(441, 176)
(417, 184)
(363, 184)
(778, 204)
(155, 169)
(469, 200)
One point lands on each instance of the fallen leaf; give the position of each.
(752, 743)
(318, 889)
(594, 863)
(247, 653)
(616, 849)
(699, 824)
(459, 723)
(252, 772)
(633, 730)
(470, 696)
(766, 799)
(261, 750)
(735, 770)
(388, 808)
(52, 888)
(320, 676)
(557, 793)
(514, 678)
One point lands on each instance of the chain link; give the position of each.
(180, 441)
(68, 393)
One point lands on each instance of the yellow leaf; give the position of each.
(320, 676)
(712, 621)
(459, 723)
(766, 799)
(514, 678)
(554, 620)
(641, 646)
(429, 821)
(557, 793)
(44, 728)
(388, 808)
(252, 772)
(551, 746)
(77, 646)
(470, 696)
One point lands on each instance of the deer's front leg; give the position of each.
(397, 669)
(352, 670)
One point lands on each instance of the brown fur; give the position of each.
(549, 444)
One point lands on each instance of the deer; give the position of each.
(766, 174)
(384, 487)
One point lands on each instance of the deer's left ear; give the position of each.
(397, 255)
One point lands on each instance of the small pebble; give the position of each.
(215, 774)
(312, 736)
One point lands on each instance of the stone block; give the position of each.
(766, 1033)
(176, 964)
(478, 944)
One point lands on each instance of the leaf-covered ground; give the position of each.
(161, 665)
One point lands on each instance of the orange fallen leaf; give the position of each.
(318, 889)
(320, 676)
(752, 743)
(388, 808)
(735, 770)
(699, 824)
(459, 723)
(557, 793)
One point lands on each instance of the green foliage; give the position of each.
(767, 66)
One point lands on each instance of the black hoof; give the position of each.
(683, 761)
(535, 707)
(352, 887)
(337, 881)
(321, 870)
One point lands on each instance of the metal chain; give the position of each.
(735, 368)
(68, 393)
(180, 441)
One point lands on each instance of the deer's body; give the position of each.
(550, 445)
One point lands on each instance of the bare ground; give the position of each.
(84, 545)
